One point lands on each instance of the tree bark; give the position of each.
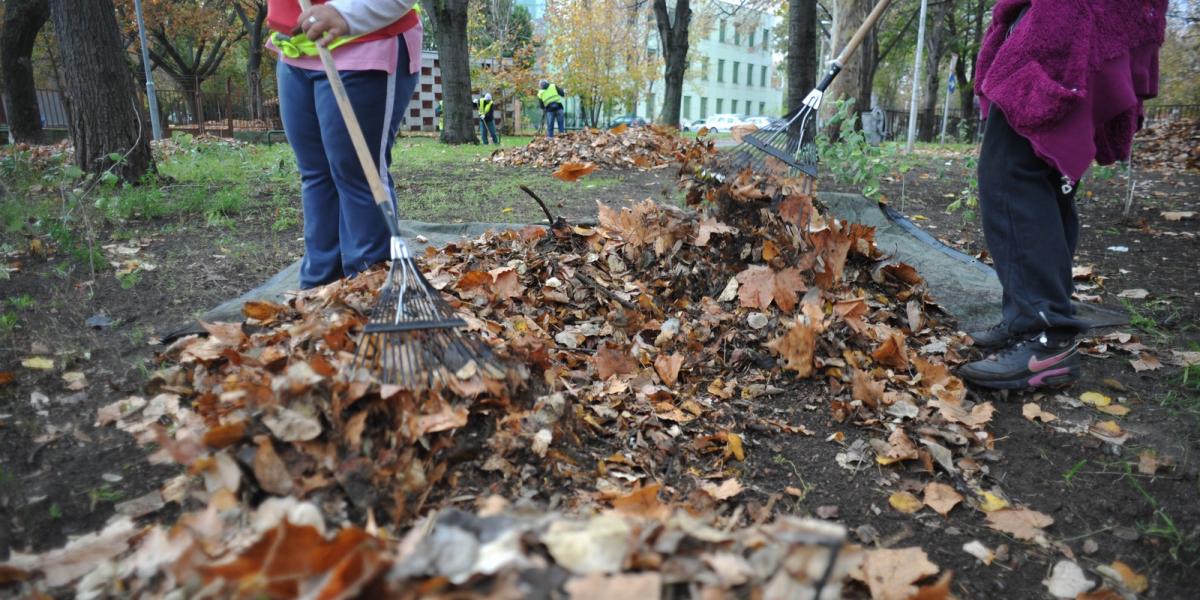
(253, 25)
(454, 56)
(106, 117)
(23, 19)
(849, 84)
(801, 51)
(673, 39)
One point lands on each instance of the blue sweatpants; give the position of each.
(555, 117)
(344, 232)
(1031, 228)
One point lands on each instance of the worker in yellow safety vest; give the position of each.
(487, 119)
(551, 99)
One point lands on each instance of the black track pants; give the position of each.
(1031, 228)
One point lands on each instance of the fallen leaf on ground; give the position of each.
(613, 361)
(643, 502)
(667, 368)
(1148, 462)
(1095, 399)
(1022, 523)
(79, 556)
(905, 502)
(760, 285)
(1146, 362)
(1133, 294)
(728, 489)
(1033, 411)
(38, 362)
(941, 497)
(978, 550)
(598, 545)
(597, 586)
(1109, 431)
(1132, 580)
(890, 574)
(1067, 580)
(572, 171)
(1177, 215)
(1116, 410)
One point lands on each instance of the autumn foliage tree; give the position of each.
(595, 60)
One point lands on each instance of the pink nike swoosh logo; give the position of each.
(1036, 365)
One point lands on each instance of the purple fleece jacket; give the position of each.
(1072, 75)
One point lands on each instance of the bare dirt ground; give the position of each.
(61, 476)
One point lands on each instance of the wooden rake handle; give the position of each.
(859, 35)
(378, 191)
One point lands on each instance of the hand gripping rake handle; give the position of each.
(813, 100)
(378, 192)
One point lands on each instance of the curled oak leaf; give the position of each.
(572, 171)
(796, 346)
(867, 389)
(667, 368)
(1022, 523)
(893, 352)
(613, 361)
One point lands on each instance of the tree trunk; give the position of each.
(455, 60)
(848, 84)
(673, 39)
(106, 117)
(801, 51)
(254, 56)
(23, 19)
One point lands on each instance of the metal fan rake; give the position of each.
(787, 146)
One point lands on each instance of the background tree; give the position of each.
(500, 33)
(857, 77)
(937, 41)
(673, 25)
(252, 14)
(23, 19)
(107, 118)
(801, 50)
(454, 56)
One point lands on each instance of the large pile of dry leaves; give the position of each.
(607, 458)
(622, 147)
(1170, 145)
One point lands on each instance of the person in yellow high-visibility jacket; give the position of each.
(487, 119)
(551, 98)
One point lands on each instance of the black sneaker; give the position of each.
(992, 338)
(1026, 364)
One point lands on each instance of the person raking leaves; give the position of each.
(376, 46)
(487, 119)
(551, 99)
(1061, 83)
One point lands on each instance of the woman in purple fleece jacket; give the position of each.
(1061, 83)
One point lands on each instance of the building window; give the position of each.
(737, 68)
(766, 39)
(762, 108)
(737, 37)
(703, 107)
(720, 105)
(762, 77)
(721, 35)
(751, 38)
(720, 70)
(733, 106)
(687, 107)
(749, 74)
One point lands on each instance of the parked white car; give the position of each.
(760, 122)
(723, 122)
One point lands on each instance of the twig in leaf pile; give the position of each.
(549, 217)
(603, 290)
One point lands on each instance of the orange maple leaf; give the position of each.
(572, 171)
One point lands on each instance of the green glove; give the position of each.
(295, 47)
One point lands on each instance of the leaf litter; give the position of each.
(625, 350)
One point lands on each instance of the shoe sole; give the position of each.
(1059, 377)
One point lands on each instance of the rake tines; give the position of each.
(413, 339)
(785, 148)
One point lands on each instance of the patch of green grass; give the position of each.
(1182, 547)
(55, 511)
(103, 494)
(1073, 471)
(130, 279)
(1142, 318)
(8, 322)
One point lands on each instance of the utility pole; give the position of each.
(912, 108)
(950, 81)
(155, 126)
